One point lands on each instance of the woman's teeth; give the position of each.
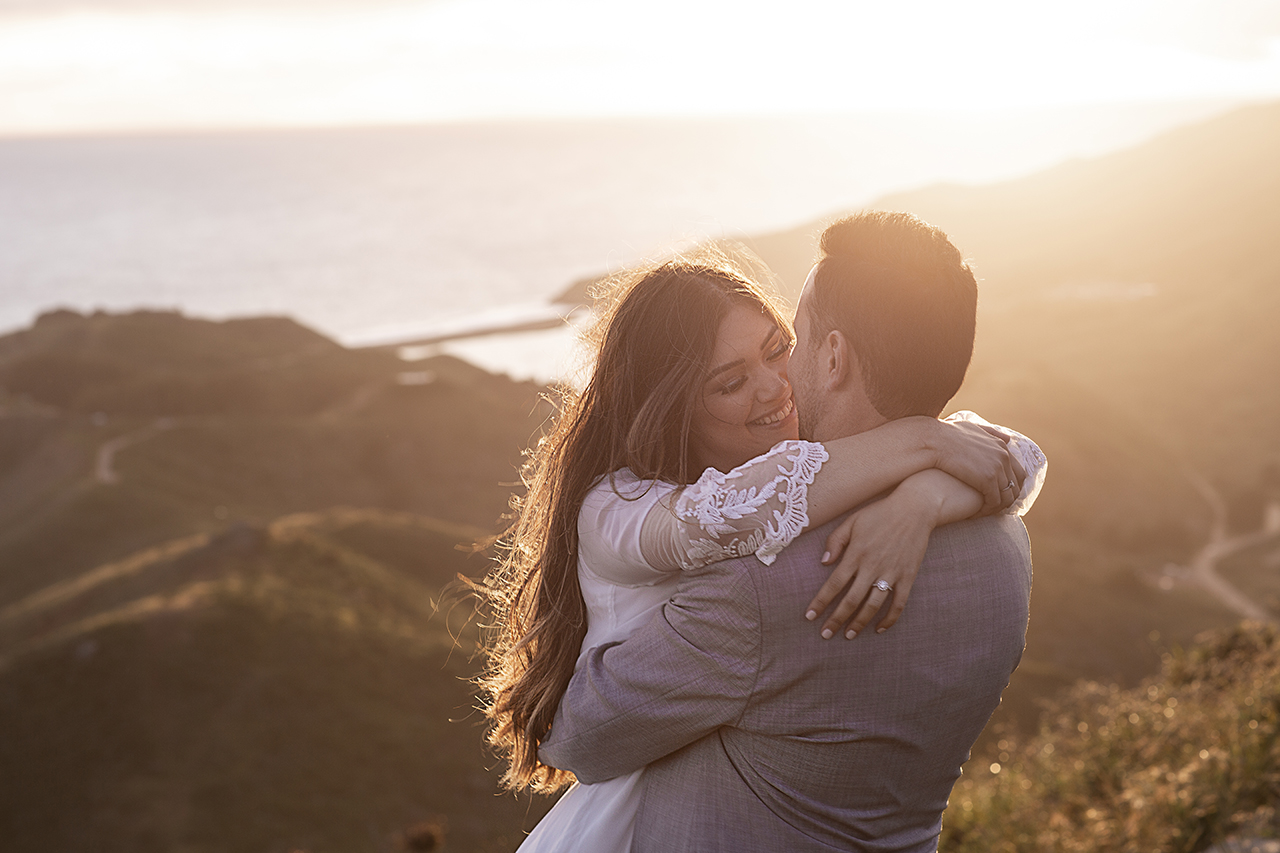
(776, 416)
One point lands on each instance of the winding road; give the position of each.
(1203, 567)
(104, 467)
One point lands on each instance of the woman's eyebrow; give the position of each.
(727, 366)
(738, 362)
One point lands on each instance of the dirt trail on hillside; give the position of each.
(104, 466)
(1203, 567)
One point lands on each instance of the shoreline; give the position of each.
(488, 329)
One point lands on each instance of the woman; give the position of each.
(644, 474)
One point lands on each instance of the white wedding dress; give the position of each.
(757, 508)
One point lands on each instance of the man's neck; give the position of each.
(846, 414)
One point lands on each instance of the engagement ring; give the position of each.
(883, 585)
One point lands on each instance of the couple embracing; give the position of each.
(703, 613)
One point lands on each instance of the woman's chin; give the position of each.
(787, 430)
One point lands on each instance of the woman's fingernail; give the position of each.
(826, 556)
(826, 633)
(881, 630)
(811, 615)
(850, 635)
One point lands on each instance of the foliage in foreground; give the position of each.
(1186, 759)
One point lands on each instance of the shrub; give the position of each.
(1182, 761)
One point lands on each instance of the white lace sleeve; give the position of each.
(757, 508)
(1028, 454)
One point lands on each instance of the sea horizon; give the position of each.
(377, 235)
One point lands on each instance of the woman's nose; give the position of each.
(777, 385)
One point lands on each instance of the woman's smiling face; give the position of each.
(745, 406)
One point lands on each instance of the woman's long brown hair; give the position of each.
(653, 344)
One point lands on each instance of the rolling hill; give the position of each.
(199, 648)
(294, 686)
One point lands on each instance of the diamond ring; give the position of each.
(883, 585)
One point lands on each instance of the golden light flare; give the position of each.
(130, 67)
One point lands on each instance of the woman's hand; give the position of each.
(883, 541)
(979, 457)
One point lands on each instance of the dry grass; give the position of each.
(293, 687)
(1182, 761)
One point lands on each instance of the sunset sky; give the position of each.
(70, 66)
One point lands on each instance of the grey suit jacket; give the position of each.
(760, 735)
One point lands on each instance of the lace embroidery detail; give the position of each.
(702, 552)
(757, 508)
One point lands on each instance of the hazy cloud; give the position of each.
(68, 64)
(27, 8)
(1234, 29)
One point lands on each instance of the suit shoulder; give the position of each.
(996, 537)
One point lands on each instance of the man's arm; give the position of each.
(681, 677)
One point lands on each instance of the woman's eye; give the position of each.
(731, 386)
(781, 350)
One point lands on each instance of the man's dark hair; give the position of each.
(903, 296)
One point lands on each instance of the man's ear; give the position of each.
(839, 359)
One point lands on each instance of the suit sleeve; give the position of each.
(688, 672)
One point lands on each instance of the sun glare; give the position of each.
(131, 67)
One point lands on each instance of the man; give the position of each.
(760, 734)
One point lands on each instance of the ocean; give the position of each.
(375, 235)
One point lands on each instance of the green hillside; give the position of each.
(246, 419)
(199, 649)
(298, 686)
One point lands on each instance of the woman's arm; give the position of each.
(865, 465)
(759, 507)
(887, 540)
